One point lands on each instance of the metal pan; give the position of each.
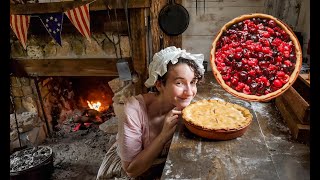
(173, 19)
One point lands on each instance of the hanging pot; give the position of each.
(173, 19)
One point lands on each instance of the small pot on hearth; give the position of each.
(31, 163)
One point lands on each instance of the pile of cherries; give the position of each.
(255, 56)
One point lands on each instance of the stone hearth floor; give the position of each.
(78, 155)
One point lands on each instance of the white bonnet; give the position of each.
(158, 65)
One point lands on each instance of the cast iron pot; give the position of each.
(173, 19)
(40, 171)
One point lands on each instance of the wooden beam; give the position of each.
(54, 7)
(139, 53)
(65, 67)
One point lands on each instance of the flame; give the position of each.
(94, 105)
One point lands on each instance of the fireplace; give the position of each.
(81, 100)
(50, 104)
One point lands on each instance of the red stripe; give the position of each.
(78, 19)
(27, 26)
(83, 19)
(19, 25)
(87, 11)
(12, 17)
(23, 28)
(87, 16)
(69, 14)
(18, 28)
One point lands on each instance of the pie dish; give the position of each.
(216, 119)
(256, 57)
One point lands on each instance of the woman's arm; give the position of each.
(145, 158)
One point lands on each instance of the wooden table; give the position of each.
(265, 151)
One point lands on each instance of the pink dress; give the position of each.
(133, 136)
(134, 130)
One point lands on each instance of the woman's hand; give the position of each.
(170, 124)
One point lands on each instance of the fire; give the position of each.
(94, 105)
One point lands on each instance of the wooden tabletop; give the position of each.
(265, 151)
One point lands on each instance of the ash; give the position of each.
(78, 154)
(28, 158)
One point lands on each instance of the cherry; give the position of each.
(238, 56)
(271, 23)
(243, 76)
(226, 77)
(246, 89)
(261, 88)
(277, 83)
(253, 87)
(254, 38)
(240, 86)
(292, 58)
(239, 65)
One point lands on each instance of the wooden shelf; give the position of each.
(54, 7)
(66, 67)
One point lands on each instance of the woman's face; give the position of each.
(180, 87)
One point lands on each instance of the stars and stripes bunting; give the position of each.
(20, 25)
(80, 18)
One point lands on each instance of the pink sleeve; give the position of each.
(130, 141)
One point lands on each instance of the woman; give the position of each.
(145, 133)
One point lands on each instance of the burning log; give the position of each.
(89, 116)
(94, 116)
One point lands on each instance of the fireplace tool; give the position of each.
(122, 64)
(15, 114)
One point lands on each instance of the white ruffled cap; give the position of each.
(158, 66)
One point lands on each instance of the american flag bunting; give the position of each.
(53, 24)
(20, 25)
(80, 18)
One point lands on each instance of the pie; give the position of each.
(216, 119)
(256, 57)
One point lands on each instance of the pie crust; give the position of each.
(254, 97)
(215, 119)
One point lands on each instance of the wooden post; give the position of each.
(139, 52)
